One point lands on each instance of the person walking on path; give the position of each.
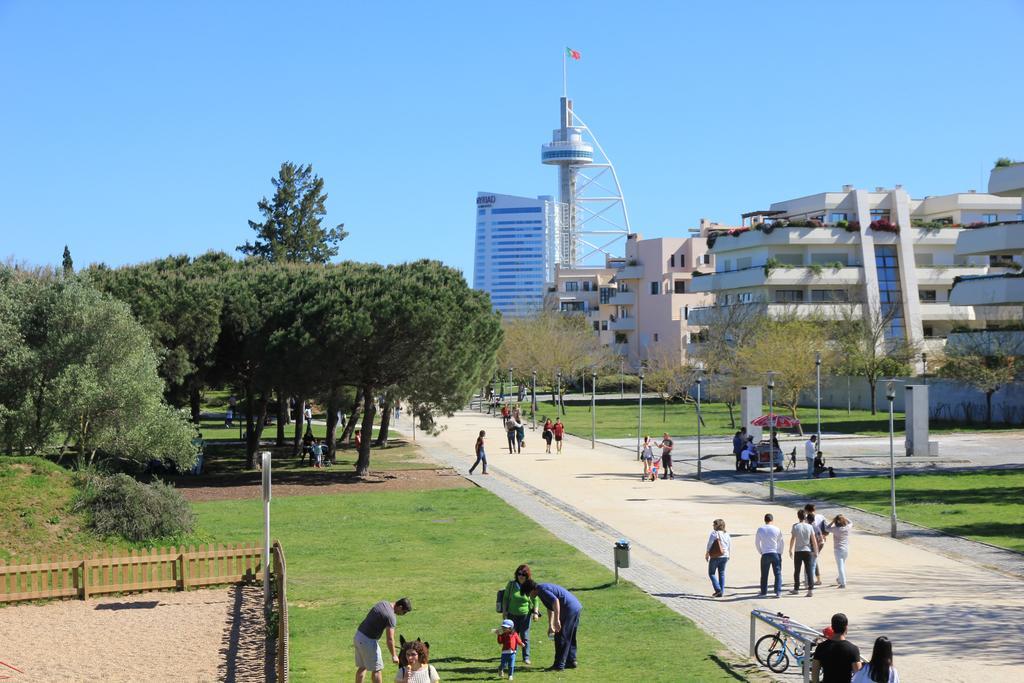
(563, 620)
(717, 556)
(647, 455)
(520, 607)
(510, 433)
(802, 550)
(840, 529)
(770, 545)
(558, 429)
(820, 525)
(880, 668)
(520, 434)
(810, 453)
(837, 657)
(481, 456)
(547, 434)
(382, 617)
(666, 457)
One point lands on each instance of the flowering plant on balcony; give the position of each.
(884, 225)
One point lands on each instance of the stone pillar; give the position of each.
(750, 408)
(916, 409)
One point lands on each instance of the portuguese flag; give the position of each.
(569, 52)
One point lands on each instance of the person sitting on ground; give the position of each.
(820, 468)
(837, 657)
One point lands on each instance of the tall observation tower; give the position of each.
(592, 220)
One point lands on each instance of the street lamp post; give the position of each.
(621, 379)
(640, 415)
(510, 384)
(593, 407)
(533, 399)
(924, 360)
(890, 395)
(817, 372)
(700, 379)
(771, 437)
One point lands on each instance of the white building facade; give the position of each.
(515, 250)
(877, 253)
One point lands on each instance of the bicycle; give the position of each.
(774, 650)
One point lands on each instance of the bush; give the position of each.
(119, 505)
(609, 384)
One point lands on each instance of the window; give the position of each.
(586, 285)
(788, 296)
(682, 260)
(672, 261)
(924, 260)
(620, 338)
(572, 286)
(605, 295)
(744, 297)
(655, 337)
(835, 217)
(790, 259)
(597, 326)
(879, 214)
(654, 288)
(686, 312)
(926, 295)
(827, 296)
(989, 217)
(829, 258)
(744, 262)
(929, 331)
(679, 286)
(707, 259)
(573, 306)
(604, 325)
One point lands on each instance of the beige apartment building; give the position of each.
(638, 304)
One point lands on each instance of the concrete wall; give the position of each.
(946, 399)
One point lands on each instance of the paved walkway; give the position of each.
(950, 617)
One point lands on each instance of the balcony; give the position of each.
(629, 273)
(710, 315)
(934, 312)
(1007, 181)
(785, 236)
(622, 299)
(622, 324)
(994, 239)
(989, 290)
(944, 275)
(780, 275)
(987, 342)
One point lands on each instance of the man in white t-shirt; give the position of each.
(769, 543)
(810, 452)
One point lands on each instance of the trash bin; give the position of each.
(622, 553)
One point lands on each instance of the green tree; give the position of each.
(729, 329)
(68, 264)
(986, 363)
(290, 229)
(866, 351)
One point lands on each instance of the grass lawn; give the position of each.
(618, 419)
(449, 551)
(987, 506)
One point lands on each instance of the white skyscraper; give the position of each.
(515, 250)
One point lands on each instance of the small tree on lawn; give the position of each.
(987, 364)
(729, 329)
(865, 351)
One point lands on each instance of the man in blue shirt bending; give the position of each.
(563, 619)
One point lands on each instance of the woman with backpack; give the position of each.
(520, 608)
(717, 555)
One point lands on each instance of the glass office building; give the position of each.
(515, 248)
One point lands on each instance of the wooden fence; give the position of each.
(143, 570)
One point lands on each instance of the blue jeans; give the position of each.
(481, 457)
(773, 560)
(522, 625)
(565, 640)
(508, 663)
(716, 565)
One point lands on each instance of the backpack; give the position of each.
(498, 600)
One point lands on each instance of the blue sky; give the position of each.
(133, 130)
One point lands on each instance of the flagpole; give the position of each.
(565, 88)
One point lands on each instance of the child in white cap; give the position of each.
(509, 641)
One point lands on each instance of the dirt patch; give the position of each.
(291, 483)
(203, 635)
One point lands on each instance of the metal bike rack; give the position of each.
(794, 629)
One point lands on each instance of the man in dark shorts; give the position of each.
(837, 657)
(563, 619)
(381, 617)
(666, 457)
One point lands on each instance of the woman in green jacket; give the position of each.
(521, 608)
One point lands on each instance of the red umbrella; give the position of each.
(781, 421)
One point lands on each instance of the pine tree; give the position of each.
(69, 265)
(291, 228)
